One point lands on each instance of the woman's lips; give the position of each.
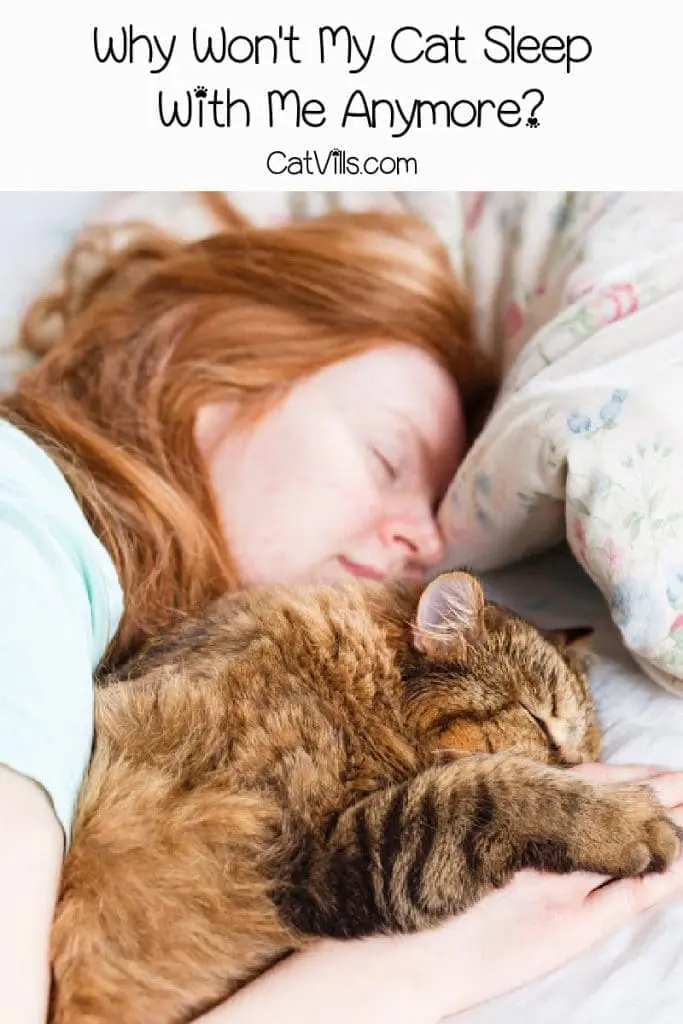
(364, 571)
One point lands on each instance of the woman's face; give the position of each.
(344, 477)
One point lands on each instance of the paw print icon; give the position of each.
(532, 122)
(200, 92)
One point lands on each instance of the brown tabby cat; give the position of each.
(324, 762)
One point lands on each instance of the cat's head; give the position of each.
(481, 679)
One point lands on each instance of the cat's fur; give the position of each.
(314, 762)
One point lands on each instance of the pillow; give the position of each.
(586, 438)
(37, 228)
(625, 511)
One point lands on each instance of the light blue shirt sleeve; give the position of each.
(60, 604)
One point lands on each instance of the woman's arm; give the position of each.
(57, 607)
(382, 980)
(31, 850)
(415, 979)
(535, 925)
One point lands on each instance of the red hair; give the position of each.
(162, 327)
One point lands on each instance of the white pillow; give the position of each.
(36, 229)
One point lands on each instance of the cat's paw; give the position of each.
(641, 837)
(621, 831)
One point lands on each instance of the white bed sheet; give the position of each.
(636, 976)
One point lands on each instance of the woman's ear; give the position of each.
(211, 423)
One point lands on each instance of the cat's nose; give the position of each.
(569, 759)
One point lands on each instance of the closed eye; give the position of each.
(387, 466)
(543, 726)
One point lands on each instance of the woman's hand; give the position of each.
(534, 925)
(539, 922)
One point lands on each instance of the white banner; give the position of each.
(152, 94)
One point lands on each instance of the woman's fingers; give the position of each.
(617, 902)
(615, 773)
(591, 905)
(557, 893)
(668, 787)
(666, 783)
(571, 889)
(676, 814)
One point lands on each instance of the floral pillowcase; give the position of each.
(586, 440)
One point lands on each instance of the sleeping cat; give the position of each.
(333, 761)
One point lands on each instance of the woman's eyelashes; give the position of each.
(388, 466)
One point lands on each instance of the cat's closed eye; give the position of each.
(543, 726)
(557, 735)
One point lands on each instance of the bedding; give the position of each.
(36, 229)
(614, 360)
(636, 975)
(586, 439)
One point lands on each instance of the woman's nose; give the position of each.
(420, 541)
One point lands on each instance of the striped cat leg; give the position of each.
(408, 856)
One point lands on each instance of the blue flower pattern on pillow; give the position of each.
(608, 414)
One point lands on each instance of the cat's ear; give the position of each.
(571, 636)
(450, 611)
